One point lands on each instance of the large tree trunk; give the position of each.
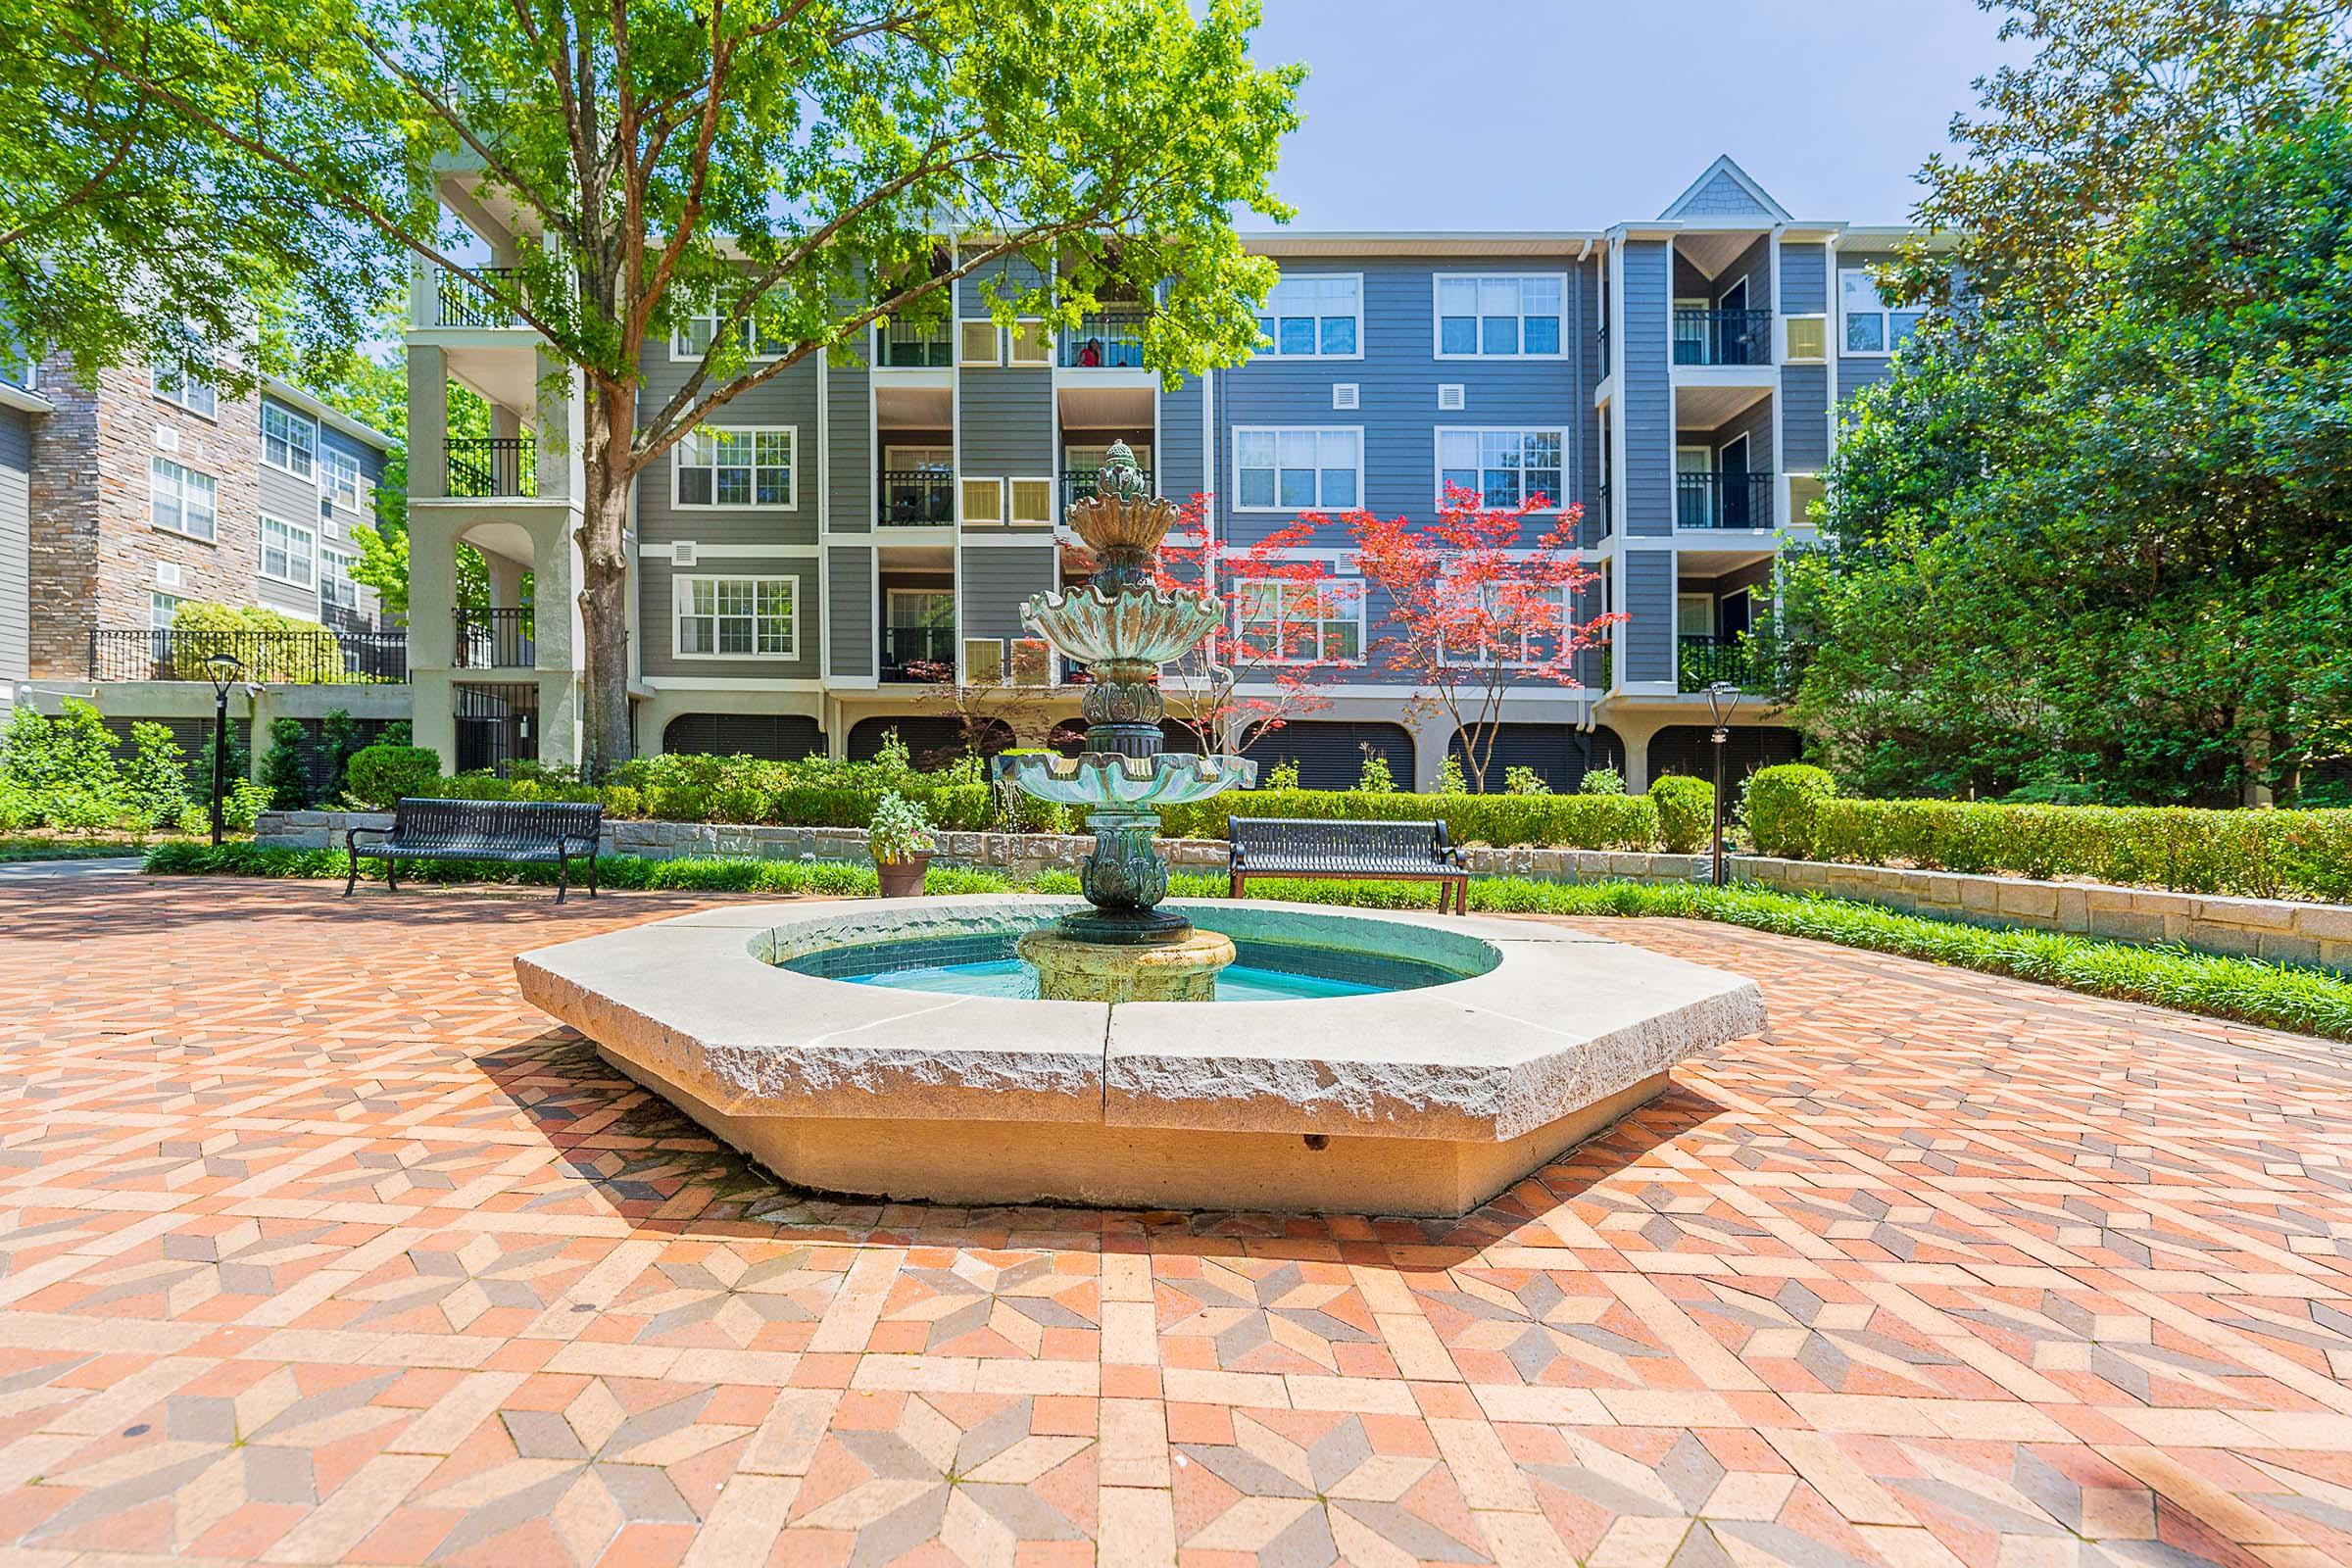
(611, 417)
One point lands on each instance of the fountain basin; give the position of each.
(1424, 1100)
(1106, 782)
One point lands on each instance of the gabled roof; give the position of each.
(1726, 190)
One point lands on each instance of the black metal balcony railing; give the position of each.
(927, 348)
(1723, 499)
(917, 497)
(494, 639)
(1079, 483)
(1702, 661)
(265, 658)
(462, 304)
(1723, 337)
(493, 466)
(904, 649)
(1111, 341)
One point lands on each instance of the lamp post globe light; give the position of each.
(222, 669)
(1723, 699)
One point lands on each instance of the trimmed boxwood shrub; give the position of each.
(383, 776)
(1686, 812)
(1780, 805)
(1548, 822)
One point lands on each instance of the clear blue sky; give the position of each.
(1578, 114)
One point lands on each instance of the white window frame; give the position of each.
(1271, 344)
(345, 560)
(1045, 340)
(973, 516)
(1559, 501)
(679, 467)
(1278, 431)
(334, 466)
(1885, 312)
(1351, 587)
(159, 617)
(893, 597)
(682, 605)
(1436, 314)
(309, 560)
(180, 389)
(996, 343)
(180, 475)
(1012, 482)
(294, 422)
(678, 350)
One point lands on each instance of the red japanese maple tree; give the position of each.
(1254, 673)
(1479, 610)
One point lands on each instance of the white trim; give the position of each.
(180, 489)
(1363, 597)
(965, 515)
(1748, 451)
(678, 468)
(1012, 337)
(1437, 316)
(327, 415)
(311, 477)
(701, 551)
(749, 326)
(1267, 309)
(1052, 502)
(734, 683)
(261, 550)
(1438, 435)
(179, 399)
(1233, 436)
(1676, 209)
(1886, 314)
(680, 593)
(995, 358)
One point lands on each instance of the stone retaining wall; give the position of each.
(2266, 928)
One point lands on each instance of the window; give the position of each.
(1298, 470)
(289, 441)
(1032, 344)
(983, 501)
(692, 339)
(1871, 326)
(1808, 338)
(1503, 466)
(289, 552)
(722, 465)
(1522, 628)
(181, 499)
(1485, 316)
(1292, 622)
(162, 609)
(1032, 499)
(339, 477)
(191, 391)
(976, 343)
(730, 618)
(1314, 315)
(337, 593)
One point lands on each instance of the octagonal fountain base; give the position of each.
(1515, 1042)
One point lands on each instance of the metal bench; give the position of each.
(518, 832)
(1386, 852)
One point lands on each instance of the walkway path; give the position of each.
(316, 1247)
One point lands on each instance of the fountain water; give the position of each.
(1123, 627)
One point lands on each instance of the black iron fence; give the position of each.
(917, 497)
(1079, 483)
(494, 639)
(463, 304)
(493, 466)
(1702, 661)
(1111, 341)
(265, 658)
(1723, 499)
(906, 647)
(1722, 337)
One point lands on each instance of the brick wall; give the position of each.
(94, 546)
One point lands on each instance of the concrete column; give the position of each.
(433, 722)
(428, 424)
(432, 589)
(506, 581)
(1433, 733)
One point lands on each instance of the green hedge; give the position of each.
(692, 873)
(2263, 854)
(1549, 821)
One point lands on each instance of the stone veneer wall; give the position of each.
(93, 544)
(2268, 928)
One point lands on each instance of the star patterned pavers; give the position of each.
(317, 1245)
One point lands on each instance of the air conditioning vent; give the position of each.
(166, 575)
(1344, 394)
(1449, 395)
(1347, 563)
(983, 662)
(167, 439)
(681, 554)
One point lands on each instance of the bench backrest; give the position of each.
(424, 820)
(1336, 841)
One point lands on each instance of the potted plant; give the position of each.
(899, 838)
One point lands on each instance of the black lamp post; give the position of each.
(222, 669)
(1721, 699)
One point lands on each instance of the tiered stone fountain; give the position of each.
(1123, 628)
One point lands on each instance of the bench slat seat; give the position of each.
(511, 832)
(1338, 848)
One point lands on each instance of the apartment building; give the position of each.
(801, 562)
(125, 498)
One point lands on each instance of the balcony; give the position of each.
(1722, 337)
(918, 497)
(1723, 499)
(493, 639)
(265, 658)
(907, 649)
(1077, 484)
(482, 467)
(1111, 341)
(1702, 661)
(913, 348)
(462, 304)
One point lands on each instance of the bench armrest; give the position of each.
(591, 840)
(351, 834)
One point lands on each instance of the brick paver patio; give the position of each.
(317, 1245)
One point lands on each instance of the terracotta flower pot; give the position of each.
(903, 880)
